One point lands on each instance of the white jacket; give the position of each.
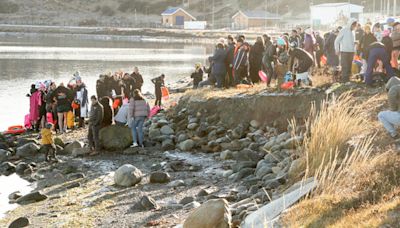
(122, 115)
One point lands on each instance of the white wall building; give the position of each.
(334, 13)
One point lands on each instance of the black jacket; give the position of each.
(365, 42)
(96, 114)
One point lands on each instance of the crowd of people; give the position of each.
(351, 50)
(345, 51)
(119, 101)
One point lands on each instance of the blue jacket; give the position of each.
(218, 62)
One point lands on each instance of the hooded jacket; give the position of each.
(345, 41)
(393, 88)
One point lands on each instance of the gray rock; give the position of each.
(148, 203)
(23, 141)
(270, 144)
(186, 145)
(176, 183)
(19, 222)
(127, 175)
(204, 192)
(68, 149)
(276, 169)
(269, 177)
(255, 124)
(28, 150)
(193, 120)
(271, 184)
(167, 130)
(227, 173)
(192, 126)
(21, 167)
(271, 158)
(80, 151)
(187, 200)
(162, 122)
(242, 165)
(31, 198)
(74, 176)
(160, 177)
(14, 196)
(233, 146)
(192, 205)
(292, 143)
(248, 155)
(296, 167)
(264, 170)
(7, 168)
(222, 140)
(244, 173)
(115, 138)
(59, 142)
(226, 154)
(4, 155)
(182, 137)
(275, 148)
(167, 144)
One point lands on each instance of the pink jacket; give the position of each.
(35, 103)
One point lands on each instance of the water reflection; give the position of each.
(25, 60)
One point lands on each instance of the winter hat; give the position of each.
(281, 42)
(308, 31)
(386, 33)
(49, 125)
(390, 20)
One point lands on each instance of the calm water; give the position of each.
(27, 59)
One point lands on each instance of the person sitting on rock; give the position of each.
(48, 143)
(121, 119)
(197, 75)
(95, 120)
(391, 118)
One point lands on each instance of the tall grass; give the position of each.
(337, 138)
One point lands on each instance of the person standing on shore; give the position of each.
(108, 113)
(255, 59)
(64, 99)
(158, 83)
(81, 96)
(229, 61)
(48, 143)
(138, 79)
(218, 64)
(95, 121)
(139, 109)
(197, 75)
(345, 47)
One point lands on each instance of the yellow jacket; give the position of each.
(47, 136)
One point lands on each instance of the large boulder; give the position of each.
(154, 133)
(68, 149)
(31, 198)
(115, 138)
(24, 141)
(248, 155)
(212, 214)
(4, 155)
(21, 167)
(28, 150)
(297, 167)
(127, 175)
(186, 145)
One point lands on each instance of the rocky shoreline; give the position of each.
(188, 151)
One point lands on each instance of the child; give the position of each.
(47, 142)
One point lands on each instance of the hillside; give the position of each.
(122, 12)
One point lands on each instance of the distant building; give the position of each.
(254, 19)
(176, 17)
(334, 13)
